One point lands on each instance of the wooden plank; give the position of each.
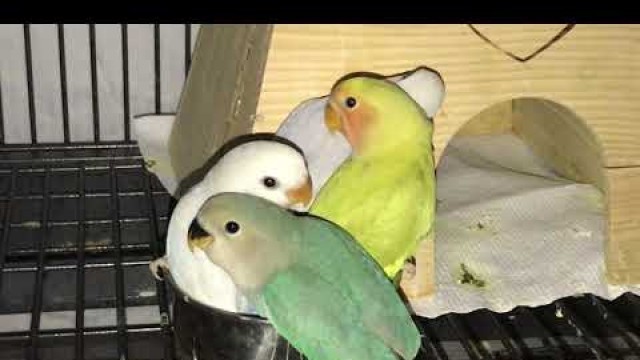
(589, 70)
(422, 283)
(623, 247)
(495, 120)
(560, 138)
(221, 92)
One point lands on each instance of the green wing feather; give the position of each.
(336, 303)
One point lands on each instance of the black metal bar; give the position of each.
(504, 337)
(634, 301)
(93, 265)
(106, 145)
(93, 222)
(59, 252)
(463, 337)
(507, 323)
(29, 70)
(95, 104)
(156, 41)
(2, 141)
(599, 348)
(481, 348)
(555, 343)
(187, 48)
(80, 278)
(435, 349)
(120, 291)
(161, 291)
(102, 330)
(70, 159)
(288, 351)
(63, 84)
(609, 316)
(36, 309)
(95, 195)
(6, 221)
(125, 81)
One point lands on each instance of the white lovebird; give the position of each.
(269, 168)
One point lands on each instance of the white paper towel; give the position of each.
(529, 235)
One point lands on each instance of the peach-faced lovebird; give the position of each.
(268, 168)
(319, 288)
(384, 194)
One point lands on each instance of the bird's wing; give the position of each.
(340, 261)
(320, 319)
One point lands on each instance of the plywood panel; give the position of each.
(623, 247)
(497, 119)
(221, 93)
(590, 69)
(560, 138)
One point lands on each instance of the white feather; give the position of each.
(240, 170)
(152, 133)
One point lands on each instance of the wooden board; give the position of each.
(220, 94)
(497, 119)
(590, 69)
(560, 138)
(623, 247)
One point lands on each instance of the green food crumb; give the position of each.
(150, 163)
(467, 278)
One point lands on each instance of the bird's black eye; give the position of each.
(350, 102)
(231, 227)
(269, 182)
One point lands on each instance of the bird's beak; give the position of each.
(198, 237)
(202, 243)
(331, 118)
(302, 194)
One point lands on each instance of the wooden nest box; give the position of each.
(570, 92)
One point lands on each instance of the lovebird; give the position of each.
(325, 151)
(384, 193)
(267, 167)
(319, 288)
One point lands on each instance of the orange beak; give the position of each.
(332, 119)
(351, 128)
(302, 194)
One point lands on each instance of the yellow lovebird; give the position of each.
(384, 194)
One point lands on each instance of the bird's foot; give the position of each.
(413, 284)
(158, 267)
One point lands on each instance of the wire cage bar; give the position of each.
(81, 217)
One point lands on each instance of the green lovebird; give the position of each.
(310, 278)
(384, 194)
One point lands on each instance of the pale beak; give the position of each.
(302, 194)
(202, 243)
(198, 238)
(332, 119)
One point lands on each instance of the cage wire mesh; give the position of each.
(81, 217)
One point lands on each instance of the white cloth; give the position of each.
(530, 235)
